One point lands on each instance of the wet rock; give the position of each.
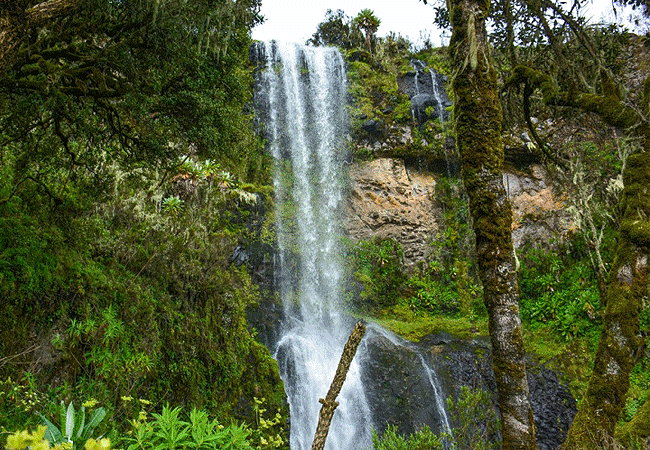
(424, 81)
(239, 256)
(400, 392)
(468, 362)
(419, 105)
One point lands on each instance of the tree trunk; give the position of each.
(620, 339)
(478, 117)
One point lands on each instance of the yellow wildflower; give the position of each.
(90, 403)
(18, 441)
(23, 439)
(102, 444)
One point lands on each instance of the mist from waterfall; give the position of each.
(306, 121)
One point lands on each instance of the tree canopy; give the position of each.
(94, 82)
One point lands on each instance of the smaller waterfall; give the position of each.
(441, 116)
(436, 95)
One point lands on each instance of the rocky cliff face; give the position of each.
(538, 210)
(387, 199)
(400, 391)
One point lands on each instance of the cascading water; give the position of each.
(306, 90)
(441, 116)
(301, 98)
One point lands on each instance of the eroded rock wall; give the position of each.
(387, 199)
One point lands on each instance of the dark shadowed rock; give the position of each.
(468, 362)
(374, 127)
(400, 392)
(419, 105)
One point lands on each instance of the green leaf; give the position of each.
(52, 433)
(96, 418)
(62, 416)
(69, 421)
(79, 426)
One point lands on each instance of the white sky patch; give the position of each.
(296, 20)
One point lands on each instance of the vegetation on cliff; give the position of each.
(124, 154)
(117, 223)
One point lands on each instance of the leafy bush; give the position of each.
(477, 425)
(377, 264)
(74, 430)
(423, 439)
(560, 290)
(169, 431)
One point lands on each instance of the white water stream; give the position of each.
(305, 91)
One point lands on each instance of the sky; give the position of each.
(296, 20)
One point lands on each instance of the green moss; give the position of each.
(402, 320)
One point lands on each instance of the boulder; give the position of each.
(374, 127)
(419, 105)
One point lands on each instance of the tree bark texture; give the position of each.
(620, 340)
(329, 402)
(478, 116)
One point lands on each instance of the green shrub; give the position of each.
(74, 429)
(560, 290)
(476, 423)
(423, 439)
(378, 265)
(169, 431)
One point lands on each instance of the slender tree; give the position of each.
(369, 23)
(478, 123)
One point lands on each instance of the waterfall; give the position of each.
(305, 89)
(436, 95)
(441, 116)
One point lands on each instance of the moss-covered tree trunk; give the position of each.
(620, 339)
(478, 117)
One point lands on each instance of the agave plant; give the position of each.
(74, 428)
